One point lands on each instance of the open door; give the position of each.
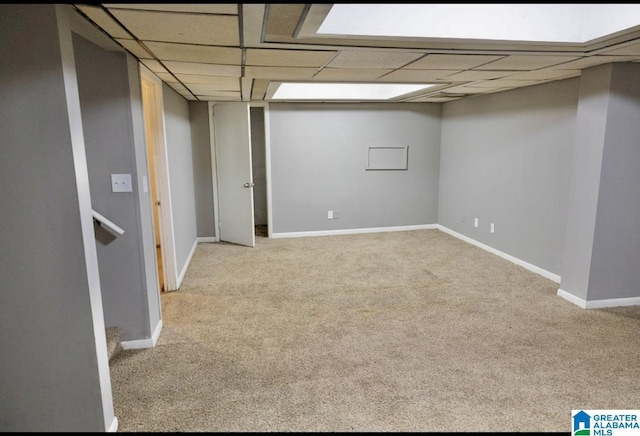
(232, 130)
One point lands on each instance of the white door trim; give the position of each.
(267, 161)
(167, 239)
(214, 173)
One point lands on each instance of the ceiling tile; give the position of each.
(463, 89)
(522, 62)
(259, 89)
(180, 27)
(479, 75)
(417, 75)
(373, 59)
(219, 98)
(205, 69)
(188, 96)
(544, 74)
(279, 73)
(349, 74)
(501, 83)
(630, 50)
(450, 62)
(591, 61)
(214, 93)
(288, 58)
(195, 53)
(207, 89)
(102, 19)
(226, 83)
(154, 66)
(177, 86)
(167, 77)
(217, 8)
(432, 99)
(135, 48)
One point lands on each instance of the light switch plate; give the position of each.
(121, 183)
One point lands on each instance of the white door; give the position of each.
(233, 167)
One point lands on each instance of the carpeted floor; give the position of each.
(402, 331)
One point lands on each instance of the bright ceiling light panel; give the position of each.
(566, 23)
(344, 91)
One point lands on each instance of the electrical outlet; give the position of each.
(493, 228)
(330, 214)
(475, 222)
(121, 183)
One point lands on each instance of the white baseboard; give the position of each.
(522, 263)
(186, 264)
(599, 304)
(113, 428)
(353, 231)
(207, 239)
(143, 343)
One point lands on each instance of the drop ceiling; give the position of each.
(237, 52)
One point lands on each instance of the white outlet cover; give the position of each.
(475, 222)
(121, 183)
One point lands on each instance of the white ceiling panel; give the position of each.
(154, 66)
(479, 75)
(200, 89)
(501, 83)
(188, 96)
(545, 74)
(450, 62)
(135, 48)
(373, 59)
(205, 69)
(279, 73)
(287, 58)
(226, 83)
(221, 94)
(180, 27)
(630, 50)
(418, 75)
(522, 62)
(350, 74)
(195, 53)
(218, 98)
(259, 88)
(462, 89)
(102, 19)
(432, 99)
(167, 77)
(216, 8)
(177, 86)
(591, 61)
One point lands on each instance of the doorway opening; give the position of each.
(152, 103)
(259, 170)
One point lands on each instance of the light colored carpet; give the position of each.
(402, 331)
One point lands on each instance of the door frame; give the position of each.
(167, 238)
(267, 150)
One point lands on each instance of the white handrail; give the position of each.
(109, 225)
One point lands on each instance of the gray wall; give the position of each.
(258, 166)
(200, 134)
(615, 268)
(181, 176)
(585, 169)
(49, 376)
(318, 158)
(505, 159)
(107, 125)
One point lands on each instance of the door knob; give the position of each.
(248, 185)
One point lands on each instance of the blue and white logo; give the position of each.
(582, 424)
(605, 422)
